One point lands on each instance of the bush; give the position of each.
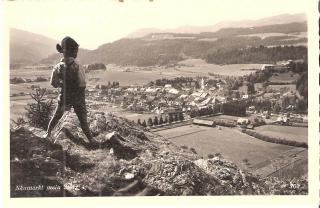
(17, 80)
(40, 79)
(39, 113)
(193, 150)
(184, 147)
(20, 121)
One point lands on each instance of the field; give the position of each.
(299, 134)
(292, 87)
(118, 111)
(284, 77)
(232, 144)
(200, 67)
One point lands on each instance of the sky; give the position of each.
(95, 22)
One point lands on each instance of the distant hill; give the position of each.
(29, 48)
(279, 19)
(168, 48)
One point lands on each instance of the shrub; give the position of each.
(40, 79)
(193, 150)
(210, 156)
(184, 147)
(19, 121)
(218, 154)
(39, 113)
(17, 80)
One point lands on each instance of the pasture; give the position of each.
(201, 68)
(284, 77)
(232, 144)
(299, 134)
(291, 87)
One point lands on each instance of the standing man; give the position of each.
(68, 76)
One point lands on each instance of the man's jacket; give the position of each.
(68, 75)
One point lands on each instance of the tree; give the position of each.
(166, 120)
(144, 124)
(170, 118)
(155, 121)
(39, 113)
(176, 118)
(139, 121)
(161, 120)
(150, 123)
(251, 88)
(181, 118)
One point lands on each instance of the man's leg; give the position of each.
(81, 111)
(82, 116)
(55, 119)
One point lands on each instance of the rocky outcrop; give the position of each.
(126, 160)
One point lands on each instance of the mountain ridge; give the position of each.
(278, 19)
(28, 48)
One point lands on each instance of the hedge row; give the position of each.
(275, 140)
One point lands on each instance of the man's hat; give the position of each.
(67, 42)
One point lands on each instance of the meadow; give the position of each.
(231, 143)
(299, 134)
(284, 77)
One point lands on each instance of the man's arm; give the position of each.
(55, 81)
(81, 76)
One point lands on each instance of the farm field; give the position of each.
(299, 134)
(26, 87)
(284, 77)
(292, 87)
(141, 75)
(200, 67)
(30, 73)
(232, 144)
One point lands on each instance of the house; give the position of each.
(283, 120)
(206, 101)
(204, 95)
(183, 96)
(266, 67)
(243, 121)
(245, 96)
(196, 94)
(174, 91)
(268, 95)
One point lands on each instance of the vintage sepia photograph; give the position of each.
(158, 98)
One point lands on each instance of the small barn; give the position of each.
(203, 122)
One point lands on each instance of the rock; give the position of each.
(129, 176)
(124, 163)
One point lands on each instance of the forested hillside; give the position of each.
(226, 46)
